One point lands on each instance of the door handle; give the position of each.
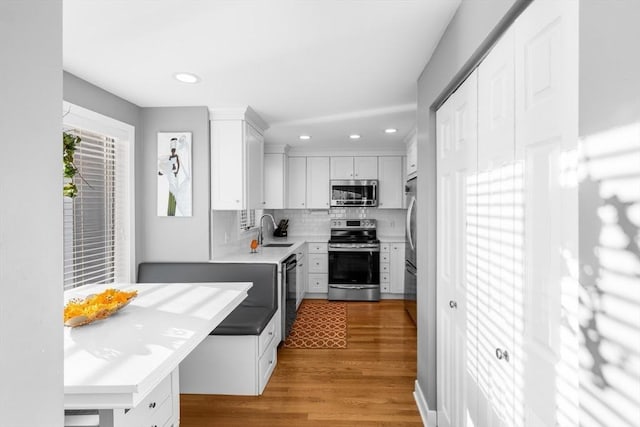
(502, 354)
(453, 304)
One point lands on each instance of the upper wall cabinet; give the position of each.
(237, 159)
(412, 154)
(318, 183)
(297, 183)
(390, 182)
(274, 180)
(354, 167)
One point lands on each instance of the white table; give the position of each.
(113, 364)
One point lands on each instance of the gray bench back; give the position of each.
(263, 293)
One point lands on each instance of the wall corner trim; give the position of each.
(429, 418)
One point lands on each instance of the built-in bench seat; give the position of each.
(240, 354)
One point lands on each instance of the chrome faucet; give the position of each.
(260, 234)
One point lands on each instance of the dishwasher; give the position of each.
(289, 291)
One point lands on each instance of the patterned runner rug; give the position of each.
(319, 324)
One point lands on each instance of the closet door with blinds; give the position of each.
(456, 126)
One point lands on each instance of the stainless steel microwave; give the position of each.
(348, 193)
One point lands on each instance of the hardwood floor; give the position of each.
(368, 384)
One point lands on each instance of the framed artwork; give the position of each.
(174, 174)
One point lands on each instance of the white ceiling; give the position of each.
(326, 68)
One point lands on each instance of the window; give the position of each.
(98, 221)
(246, 219)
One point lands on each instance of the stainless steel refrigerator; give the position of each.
(411, 270)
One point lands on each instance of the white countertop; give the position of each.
(263, 255)
(116, 362)
(277, 255)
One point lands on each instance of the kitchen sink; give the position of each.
(277, 245)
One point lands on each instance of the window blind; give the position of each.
(91, 220)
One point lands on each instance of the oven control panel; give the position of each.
(353, 223)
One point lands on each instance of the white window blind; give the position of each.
(95, 219)
(247, 219)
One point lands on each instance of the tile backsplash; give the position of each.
(303, 222)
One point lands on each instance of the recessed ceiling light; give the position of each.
(354, 136)
(186, 77)
(390, 130)
(305, 137)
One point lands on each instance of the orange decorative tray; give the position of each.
(80, 312)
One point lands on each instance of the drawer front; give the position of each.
(318, 248)
(318, 283)
(384, 257)
(384, 278)
(318, 263)
(384, 247)
(154, 407)
(266, 365)
(384, 287)
(162, 415)
(267, 336)
(384, 267)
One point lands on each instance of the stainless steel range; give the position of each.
(354, 260)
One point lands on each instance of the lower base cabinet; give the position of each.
(232, 364)
(392, 268)
(161, 408)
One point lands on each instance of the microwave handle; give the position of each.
(409, 231)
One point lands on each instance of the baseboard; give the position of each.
(429, 418)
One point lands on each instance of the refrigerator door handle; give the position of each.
(409, 212)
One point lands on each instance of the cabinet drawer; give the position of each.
(318, 248)
(318, 283)
(384, 257)
(154, 407)
(267, 335)
(384, 278)
(384, 247)
(318, 263)
(384, 267)
(384, 287)
(266, 365)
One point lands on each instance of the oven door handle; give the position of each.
(359, 287)
(408, 223)
(354, 249)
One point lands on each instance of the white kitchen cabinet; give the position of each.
(390, 182)
(412, 155)
(318, 280)
(237, 148)
(297, 183)
(301, 274)
(274, 180)
(392, 268)
(317, 188)
(360, 167)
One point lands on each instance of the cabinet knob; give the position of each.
(453, 304)
(152, 405)
(237, 201)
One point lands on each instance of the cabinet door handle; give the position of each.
(152, 405)
(502, 354)
(453, 304)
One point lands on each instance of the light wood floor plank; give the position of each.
(370, 383)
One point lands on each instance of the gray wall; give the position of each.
(31, 390)
(609, 103)
(474, 26)
(94, 98)
(174, 238)
(157, 239)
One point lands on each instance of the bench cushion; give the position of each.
(246, 321)
(252, 315)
